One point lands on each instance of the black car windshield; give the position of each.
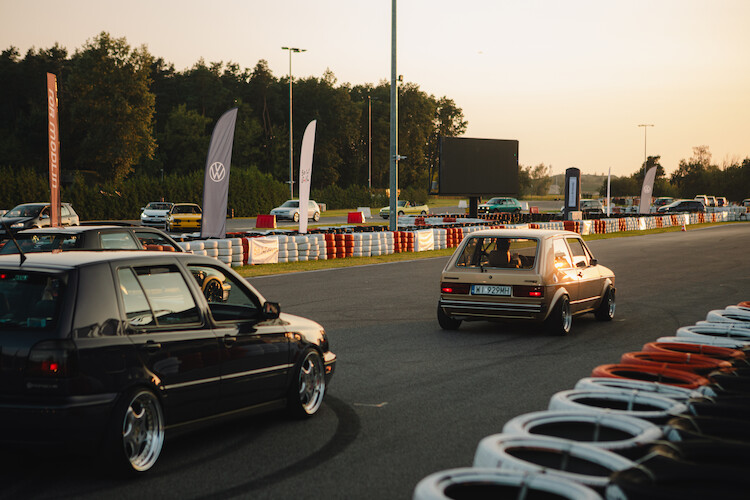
(158, 206)
(31, 243)
(291, 204)
(24, 211)
(30, 300)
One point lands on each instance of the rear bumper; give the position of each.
(502, 310)
(78, 421)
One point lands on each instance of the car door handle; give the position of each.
(152, 346)
(229, 340)
(580, 275)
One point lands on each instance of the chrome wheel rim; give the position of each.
(611, 302)
(143, 431)
(312, 383)
(567, 318)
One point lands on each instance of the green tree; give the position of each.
(696, 175)
(185, 141)
(112, 108)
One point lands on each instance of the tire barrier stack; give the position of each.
(671, 421)
(439, 232)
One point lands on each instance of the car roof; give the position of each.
(78, 229)
(70, 260)
(522, 233)
(184, 204)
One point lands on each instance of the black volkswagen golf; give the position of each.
(111, 350)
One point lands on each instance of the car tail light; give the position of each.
(52, 358)
(454, 287)
(535, 291)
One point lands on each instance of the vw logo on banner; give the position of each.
(217, 171)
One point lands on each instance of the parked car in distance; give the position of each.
(682, 206)
(29, 215)
(113, 351)
(703, 199)
(155, 214)
(290, 210)
(662, 201)
(513, 274)
(405, 208)
(184, 216)
(721, 201)
(746, 202)
(56, 239)
(500, 204)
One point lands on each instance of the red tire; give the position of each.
(715, 352)
(660, 374)
(695, 363)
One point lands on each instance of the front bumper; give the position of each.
(329, 361)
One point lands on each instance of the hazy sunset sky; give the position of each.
(571, 80)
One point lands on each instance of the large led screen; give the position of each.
(477, 167)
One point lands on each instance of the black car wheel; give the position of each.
(136, 433)
(309, 385)
(445, 321)
(560, 319)
(295, 218)
(606, 310)
(316, 216)
(213, 290)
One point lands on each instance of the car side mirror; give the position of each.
(271, 310)
(593, 262)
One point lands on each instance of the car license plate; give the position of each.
(490, 290)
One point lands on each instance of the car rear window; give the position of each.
(30, 301)
(42, 243)
(498, 252)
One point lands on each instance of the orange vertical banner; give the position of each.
(54, 151)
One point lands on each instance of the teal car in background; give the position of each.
(500, 204)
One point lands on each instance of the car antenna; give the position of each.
(13, 237)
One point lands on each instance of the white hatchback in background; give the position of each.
(155, 214)
(290, 210)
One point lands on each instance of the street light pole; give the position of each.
(369, 143)
(645, 129)
(291, 138)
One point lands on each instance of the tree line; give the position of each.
(125, 112)
(695, 175)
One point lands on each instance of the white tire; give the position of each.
(651, 407)
(602, 430)
(681, 394)
(709, 340)
(502, 451)
(470, 482)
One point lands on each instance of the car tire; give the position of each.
(295, 217)
(213, 290)
(423, 213)
(400, 213)
(560, 319)
(308, 385)
(446, 322)
(136, 433)
(606, 310)
(316, 216)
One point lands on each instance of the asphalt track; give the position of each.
(409, 399)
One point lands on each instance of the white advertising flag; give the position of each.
(305, 173)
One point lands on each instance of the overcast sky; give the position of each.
(571, 80)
